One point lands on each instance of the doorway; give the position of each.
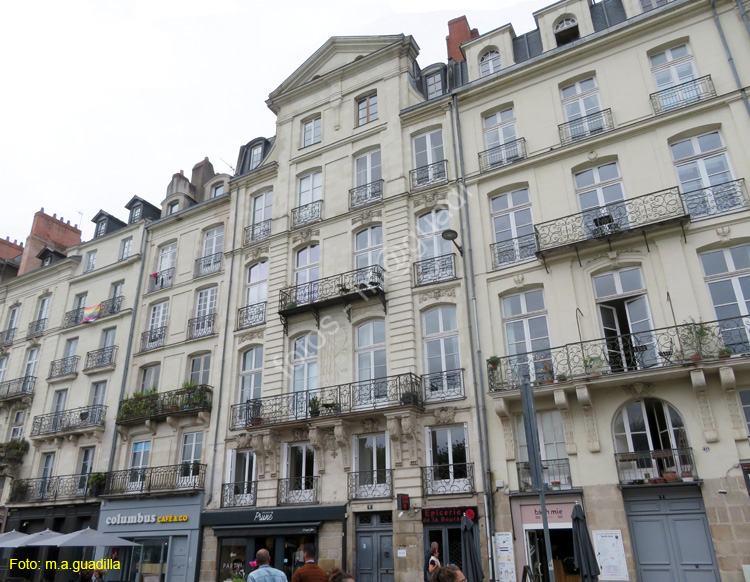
(374, 549)
(561, 542)
(449, 544)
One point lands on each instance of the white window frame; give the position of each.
(14, 315)
(368, 485)
(431, 242)
(167, 257)
(98, 392)
(304, 358)
(256, 156)
(367, 168)
(434, 84)
(579, 98)
(303, 493)
(191, 454)
(453, 483)
(306, 274)
(371, 383)
(311, 132)
(371, 253)
(158, 315)
(250, 386)
(489, 62)
(537, 364)
(256, 286)
(262, 206)
(138, 463)
(101, 228)
(3, 367)
(671, 64)
(150, 376)
(310, 188)
(448, 380)
(90, 263)
(136, 213)
(607, 217)
(200, 369)
(744, 396)
(520, 246)
(503, 124)
(125, 246)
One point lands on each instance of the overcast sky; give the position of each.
(103, 100)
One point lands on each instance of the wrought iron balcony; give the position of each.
(106, 308)
(515, 250)
(239, 494)
(49, 489)
(446, 385)
(153, 338)
(73, 318)
(298, 490)
(659, 466)
(256, 232)
(656, 348)
(37, 327)
(502, 155)
(17, 388)
(435, 270)
(424, 176)
(307, 214)
(251, 315)
(366, 194)
(612, 219)
(683, 95)
(715, 200)
(100, 358)
(448, 479)
(7, 336)
(178, 479)
(72, 420)
(202, 326)
(63, 367)
(207, 265)
(111, 306)
(388, 392)
(586, 126)
(555, 473)
(371, 484)
(188, 401)
(161, 280)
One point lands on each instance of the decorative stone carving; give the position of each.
(342, 442)
(366, 216)
(247, 337)
(561, 401)
(593, 155)
(518, 280)
(394, 430)
(300, 434)
(243, 440)
(256, 445)
(723, 234)
(271, 446)
(613, 256)
(445, 415)
(501, 409)
(729, 383)
(698, 379)
(370, 425)
(305, 235)
(638, 390)
(410, 432)
(437, 294)
(316, 436)
(592, 434)
(256, 252)
(430, 198)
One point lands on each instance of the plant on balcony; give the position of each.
(96, 482)
(314, 405)
(547, 373)
(695, 338)
(594, 365)
(725, 353)
(19, 491)
(561, 377)
(290, 305)
(409, 398)
(139, 405)
(14, 450)
(494, 362)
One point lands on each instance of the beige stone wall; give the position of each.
(209, 556)
(729, 518)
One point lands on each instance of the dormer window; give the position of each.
(256, 155)
(489, 63)
(566, 31)
(434, 86)
(46, 261)
(217, 190)
(101, 228)
(135, 214)
(172, 207)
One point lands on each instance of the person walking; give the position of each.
(310, 572)
(265, 573)
(427, 557)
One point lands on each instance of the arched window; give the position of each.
(251, 374)
(368, 245)
(371, 361)
(257, 282)
(489, 63)
(306, 274)
(566, 31)
(305, 363)
(441, 354)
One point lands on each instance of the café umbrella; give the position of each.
(583, 551)
(85, 538)
(11, 535)
(472, 565)
(20, 542)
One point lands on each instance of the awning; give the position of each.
(225, 531)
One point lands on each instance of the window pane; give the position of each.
(679, 51)
(500, 203)
(584, 179)
(587, 85)
(710, 141)
(715, 262)
(631, 280)
(658, 59)
(432, 322)
(520, 197)
(605, 285)
(449, 318)
(512, 305)
(682, 149)
(608, 172)
(741, 257)
(534, 300)
(568, 91)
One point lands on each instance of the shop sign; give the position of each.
(263, 516)
(556, 513)
(505, 561)
(610, 553)
(448, 515)
(143, 518)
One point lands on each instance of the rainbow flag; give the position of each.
(92, 313)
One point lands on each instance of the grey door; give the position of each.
(178, 556)
(670, 535)
(374, 555)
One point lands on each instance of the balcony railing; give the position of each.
(7, 336)
(446, 385)
(585, 127)
(50, 488)
(515, 250)
(63, 367)
(256, 232)
(73, 318)
(428, 175)
(202, 326)
(37, 327)
(109, 307)
(161, 280)
(153, 338)
(366, 194)
(169, 478)
(207, 265)
(251, 315)
(682, 95)
(371, 484)
(298, 490)
(183, 402)
(435, 270)
(448, 479)
(659, 466)
(656, 348)
(502, 155)
(17, 388)
(719, 199)
(307, 214)
(239, 494)
(387, 392)
(555, 474)
(101, 358)
(69, 420)
(611, 219)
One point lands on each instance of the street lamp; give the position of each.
(452, 235)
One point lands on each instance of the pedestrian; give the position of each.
(310, 572)
(434, 561)
(337, 575)
(265, 573)
(448, 574)
(427, 558)
(97, 577)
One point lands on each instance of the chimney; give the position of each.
(47, 231)
(458, 33)
(203, 171)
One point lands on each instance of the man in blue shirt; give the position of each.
(265, 573)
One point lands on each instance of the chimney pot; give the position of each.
(182, 173)
(54, 215)
(68, 223)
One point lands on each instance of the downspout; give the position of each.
(129, 351)
(471, 307)
(744, 16)
(729, 52)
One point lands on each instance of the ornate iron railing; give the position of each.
(298, 490)
(307, 214)
(390, 391)
(63, 367)
(256, 232)
(682, 95)
(371, 484)
(239, 494)
(37, 327)
(251, 315)
(448, 479)
(366, 194)
(101, 358)
(445, 385)
(109, 307)
(207, 265)
(189, 476)
(610, 219)
(73, 318)
(719, 199)
(659, 466)
(201, 326)
(153, 338)
(18, 387)
(428, 175)
(160, 280)
(50, 488)
(555, 474)
(183, 402)
(6, 337)
(69, 420)
(586, 126)
(656, 348)
(512, 251)
(435, 270)
(502, 155)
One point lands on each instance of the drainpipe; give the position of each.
(729, 52)
(744, 16)
(471, 307)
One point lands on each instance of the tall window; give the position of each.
(108, 337)
(310, 188)
(43, 311)
(3, 367)
(673, 66)
(192, 450)
(71, 345)
(301, 472)
(257, 283)
(368, 244)
(125, 246)
(150, 378)
(305, 363)
(430, 227)
(138, 463)
(85, 466)
(98, 392)
(200, 369)
(555, 468)
(514, 228)
(241, 472)
(745, 401)
(217, 190)
(500, 129)
(526, 332)
(101, 228)
(441, 353)
(13, 315)
(367, 109)
(116, 289)
(213, 241)
(372, 465)
(599, 190)
(205, 308)
(256, 155)
(434, 85)
(32, 360)
(262, 206)
(428, 150)
(447, 453)
(167, 257)
(306, 274)
(251, 374)
(311, 132)
(158, 316)
(371, 361)
(489, 63)
(580, 101)
(90, 261)
(16, 429)
(367, 168)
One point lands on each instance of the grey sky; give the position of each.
(103, 100)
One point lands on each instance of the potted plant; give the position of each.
(14, 450)
(548, 373)
(694, 337)
(314, 405)
(687, 476)
(96, 482)
(594, 365)
(561, 377)
(670, 476)
(253, 411)
(290, 305)
(19, 491)
(725, 353)
(494, 362)
(408, 398)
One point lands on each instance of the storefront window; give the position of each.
(234, 559)
(145, 563)
(286, 554)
